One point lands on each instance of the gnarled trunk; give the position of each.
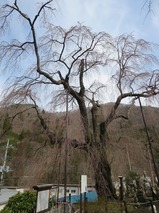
(102, 172)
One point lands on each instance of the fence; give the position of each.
(105, 206)
(125, 204)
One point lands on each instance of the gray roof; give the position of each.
(5, 194)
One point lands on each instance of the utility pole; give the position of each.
(4, 163)
(66, 154)
(149, 144)
(4, 166)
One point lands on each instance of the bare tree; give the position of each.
(68, 59)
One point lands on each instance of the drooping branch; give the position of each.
(149, 7)
(50, 135)
(12, 119)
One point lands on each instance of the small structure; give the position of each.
(57, 190)
(6, 193)
(83, 183)
(43, 197)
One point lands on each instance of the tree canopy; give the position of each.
(56, 62)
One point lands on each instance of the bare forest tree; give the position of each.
(51, 58)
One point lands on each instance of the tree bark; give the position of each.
(102, 172)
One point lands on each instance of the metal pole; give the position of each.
(149, 143)
(85, 202)
(66, 153)
(80, 202)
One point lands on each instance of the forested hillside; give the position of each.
(33, 159)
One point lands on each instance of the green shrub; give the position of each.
(21, 203)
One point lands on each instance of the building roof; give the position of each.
(5, 194)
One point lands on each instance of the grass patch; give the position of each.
(104, 206)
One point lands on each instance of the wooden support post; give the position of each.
(121, 187)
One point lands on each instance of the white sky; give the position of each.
(112, 16)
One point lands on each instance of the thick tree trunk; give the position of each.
(103, 180)
(102, 170)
